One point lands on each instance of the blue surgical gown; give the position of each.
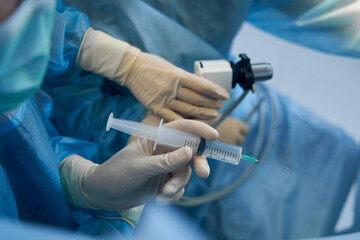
(269, 203)
(31, 149)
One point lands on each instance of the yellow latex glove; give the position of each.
(232, 131)
(163, 88)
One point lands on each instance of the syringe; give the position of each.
(176, 139)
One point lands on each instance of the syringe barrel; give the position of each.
(173, 138)
(223, 152)
(213, 149)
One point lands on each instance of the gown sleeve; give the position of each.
(69, 28)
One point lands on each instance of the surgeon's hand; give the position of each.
(163, 88)
(133, 175)
(199, 164)
(232, 131)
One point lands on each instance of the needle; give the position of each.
(252, 159)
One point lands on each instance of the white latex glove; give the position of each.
(163, 88)
(133, 176)
(200, 164)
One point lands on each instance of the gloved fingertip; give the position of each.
(218, 104)
(213, 114)
(223, 93)
(206, 170)
(211, 134)
(207, 167)
(244, 130)
(201, 167)
(209, 114)
(169, 190)
(162, 200)
(188, 152)
(214, 135)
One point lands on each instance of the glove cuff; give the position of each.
(133, 214)
(105, 55)
(71, 171)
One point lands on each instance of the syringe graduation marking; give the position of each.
(191, 144)
(222, 153)
(209, 150)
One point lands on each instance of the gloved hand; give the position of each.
(200, 164)
(133, 176)
(159, 85)
(232, 131)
